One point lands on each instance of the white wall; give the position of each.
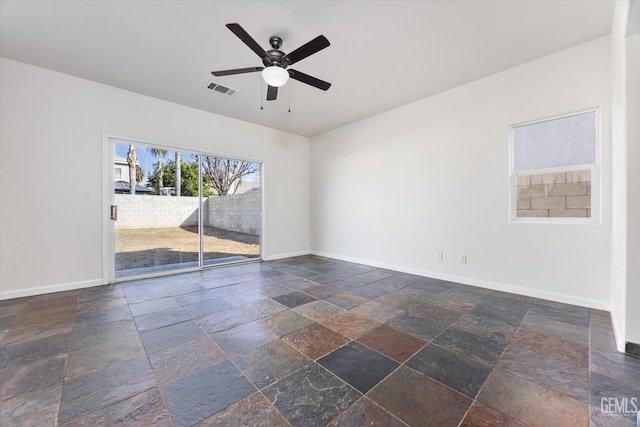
(633, 190)
(619, 173)
(394, 189)
(51, 236)
(625, 63)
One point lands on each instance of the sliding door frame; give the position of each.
(108, 199)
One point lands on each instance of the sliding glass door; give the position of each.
(176, 210)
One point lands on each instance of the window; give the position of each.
(117, 174)
(553, 169)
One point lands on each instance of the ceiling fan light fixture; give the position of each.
(275, 76)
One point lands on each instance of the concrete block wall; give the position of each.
(237, 212)
(557, 194)
(144, 211)
(241, 213)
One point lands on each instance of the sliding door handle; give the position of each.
(114, 212)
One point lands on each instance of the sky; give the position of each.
(146, 159)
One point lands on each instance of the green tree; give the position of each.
(139, 174)
(160, 153)
(188, 178)
(178, 174)
(132, 161)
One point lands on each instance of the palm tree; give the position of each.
(178, 173)
(160, 153)
(132, 161)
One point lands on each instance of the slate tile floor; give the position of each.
(306, 341)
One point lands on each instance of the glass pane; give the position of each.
(231, 210)
(560, 142)
(556, 194)
(157, 227)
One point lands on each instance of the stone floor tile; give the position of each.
(198, 396)
(318, 310)
(349, 324)
(186, 358)
(17, 335)
(547, 326)
(169, 336)
(270, 362)
(420, 401)
(100, 356)
(426, 329)
(366, 413)
(262, 308)
(222, 321)
(88, 393)
(102, 333)
(246, 297)
(311, 396)
(345, 300)
(545, 371)
(359, 366)
(38, 408)
(564, 351)
(152, 306)
(392, 343)
(275, 290)
(609, 418)
(285, 322)
(566, 313)
(254, 410)
(532, 404)
(242, 338)
(452, 369)
(443, 315)
(29, 366)
(93, 318)
(376, 311)
(93, 306)
(502, 310)
(616, 365)
(482, 416)
(477, 337)
(604, 388)
(163, 318)
(399, 301)
(142, 410)
(321, 291)
(558, 369)
(315, 340)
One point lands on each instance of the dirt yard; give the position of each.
(146, 247)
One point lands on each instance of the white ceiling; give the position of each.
(383, 54)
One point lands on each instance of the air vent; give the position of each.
(221, 89)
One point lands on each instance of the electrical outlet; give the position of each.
(462, 259)
(283, 241)
(439, 256)
(86, 194)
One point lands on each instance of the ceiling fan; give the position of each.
(275, 72)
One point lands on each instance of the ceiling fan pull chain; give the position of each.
(261, 89)
(290, 86)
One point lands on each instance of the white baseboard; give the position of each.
(535, 293)
(618, 334)
(287, 255)
(40, 290)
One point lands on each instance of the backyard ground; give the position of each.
(148, 247)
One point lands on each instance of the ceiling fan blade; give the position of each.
(272, 93)
(236, 71)
(248, 40)
(307, 49)
(310, 80)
